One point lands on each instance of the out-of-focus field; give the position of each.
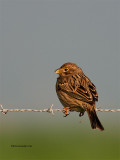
(58, 138)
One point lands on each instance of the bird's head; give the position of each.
(68, 69)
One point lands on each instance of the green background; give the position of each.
(58, 138)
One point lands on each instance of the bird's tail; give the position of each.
(95, 122)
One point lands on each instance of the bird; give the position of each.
(77, 93)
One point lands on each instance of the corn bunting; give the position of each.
(77, 93)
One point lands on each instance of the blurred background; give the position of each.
(36, 38)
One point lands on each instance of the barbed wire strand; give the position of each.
(50, 110)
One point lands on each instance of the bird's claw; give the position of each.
(81, 114)
(66, 115)
(65, 111)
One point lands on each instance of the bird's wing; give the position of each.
(92, 89)
(82, 89)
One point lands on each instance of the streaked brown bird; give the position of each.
(77, 93)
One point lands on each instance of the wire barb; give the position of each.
(50, 110)
(4, 111)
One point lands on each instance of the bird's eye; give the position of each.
(66, 69)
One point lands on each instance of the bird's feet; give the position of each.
(65, 111)
(81, 114)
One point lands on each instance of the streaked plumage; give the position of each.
(77, 92)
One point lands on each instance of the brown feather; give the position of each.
(75, 90)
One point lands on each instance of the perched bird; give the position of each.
(77, 93)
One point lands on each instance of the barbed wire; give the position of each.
(50, 110)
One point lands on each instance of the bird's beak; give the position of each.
(57, 71)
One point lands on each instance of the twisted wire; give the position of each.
(49, 110)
